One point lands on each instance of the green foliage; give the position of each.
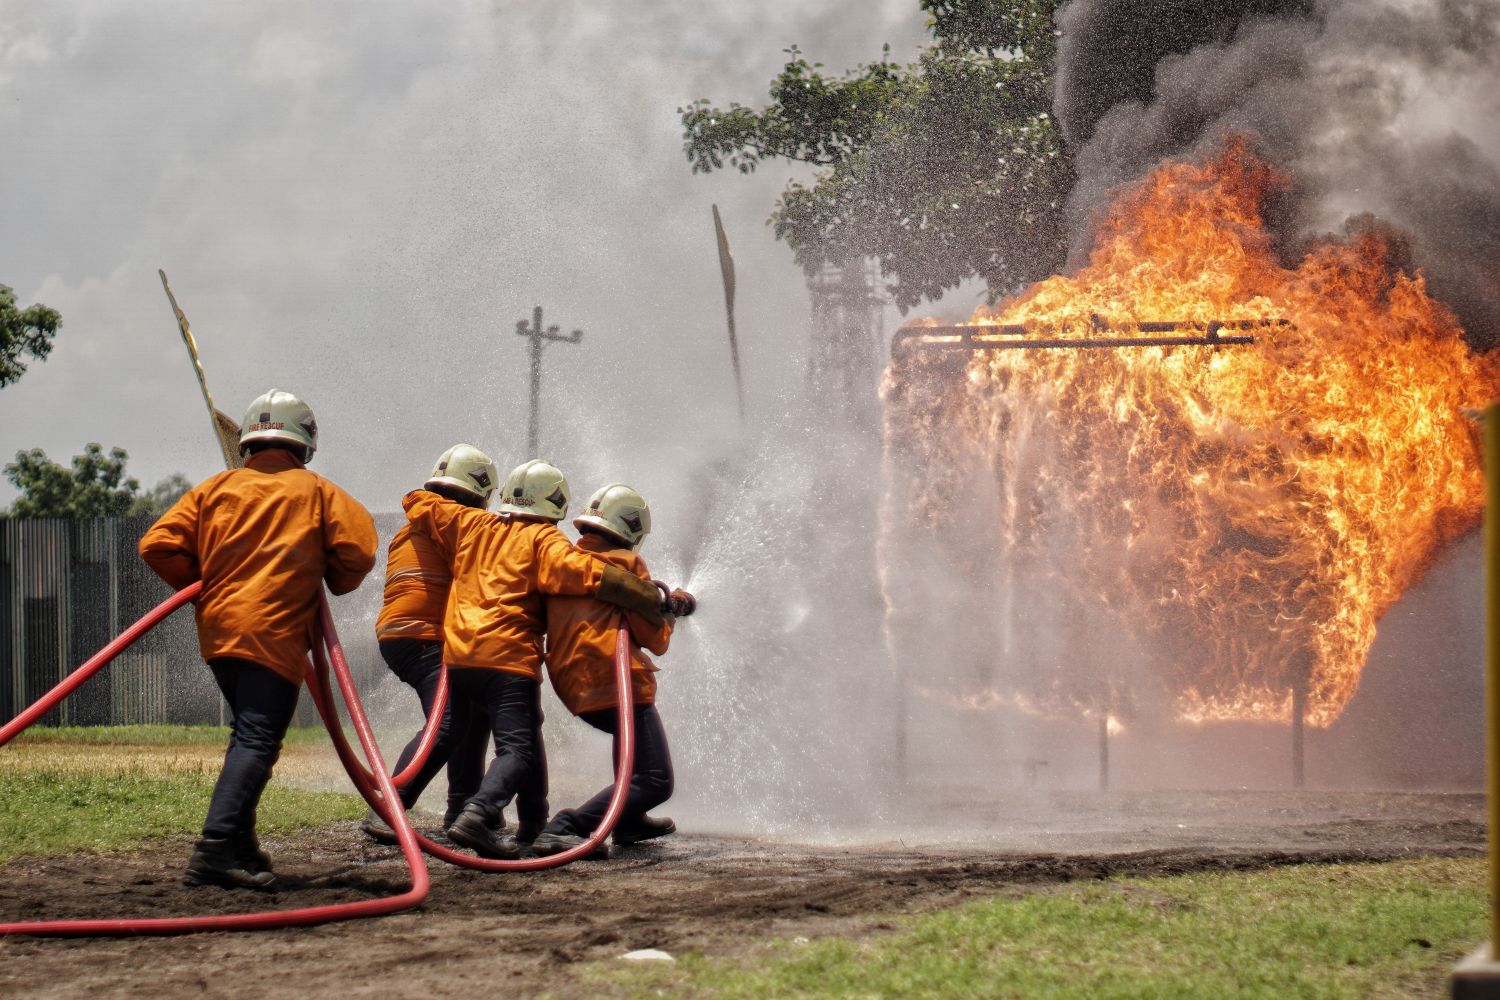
(813, 118)
(95, 486)
(167, 492)
(994, 27)
(944, 170)
(1366, 930)
(23, 331)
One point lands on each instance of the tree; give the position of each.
(946, 169)
(167, 492)
(96, 486)
(23, 331)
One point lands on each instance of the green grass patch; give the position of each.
(109, 788)
(1368, 930)
(48, 812)
(156, 735)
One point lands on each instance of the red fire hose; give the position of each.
(374, 783)
(429, 730)
(246, 921)
(363, 779)
(95, 663)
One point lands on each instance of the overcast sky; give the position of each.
(357, 202)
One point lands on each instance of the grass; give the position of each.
(109, 789)
(1359, 930)
(155, 735)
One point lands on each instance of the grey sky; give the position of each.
(357, 201)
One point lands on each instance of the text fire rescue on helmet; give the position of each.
(535, 490)
(280, 416)
(618, 511)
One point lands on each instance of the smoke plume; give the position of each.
(1383, 108)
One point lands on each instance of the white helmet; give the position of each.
(280, 416)
(466, 468)
(617, 511)
(537, 490)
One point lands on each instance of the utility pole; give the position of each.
(538, 335)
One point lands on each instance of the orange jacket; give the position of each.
(262, 539)
(501, 568)
(417, 579)
(581, 640)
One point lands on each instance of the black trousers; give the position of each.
(461, 738)
(512, 706)
(261, 702)
(651, 779)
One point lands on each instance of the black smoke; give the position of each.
(1384, 108)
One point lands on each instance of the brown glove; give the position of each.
(631, 593)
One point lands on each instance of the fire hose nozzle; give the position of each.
(676, 601)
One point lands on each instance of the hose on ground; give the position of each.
(626, 727)
(374, 783)
(267, 920)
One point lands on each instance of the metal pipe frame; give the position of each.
(1013, 336)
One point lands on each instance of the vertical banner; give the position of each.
(726, 269)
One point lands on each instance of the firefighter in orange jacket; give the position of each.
(409, 630)
(580, 662)
(493, 626)
(263, 539)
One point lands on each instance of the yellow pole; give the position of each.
(1492, 653)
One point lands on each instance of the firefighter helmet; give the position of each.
(280, 416)
(617, 511)
(466, 468)
(535, 490)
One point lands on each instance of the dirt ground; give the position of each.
(517, 935)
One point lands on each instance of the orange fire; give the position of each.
(1217, 525)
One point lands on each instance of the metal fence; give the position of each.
(67, 587)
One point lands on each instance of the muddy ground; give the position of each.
(518, 935)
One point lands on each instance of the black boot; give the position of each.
(456, 806)
(377, 829)
(643, 828)
(247, 849)
(548, 844)
(476, 831)
(235, 863)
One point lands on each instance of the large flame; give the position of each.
(1235, 519)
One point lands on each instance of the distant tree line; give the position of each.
(94, 486)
